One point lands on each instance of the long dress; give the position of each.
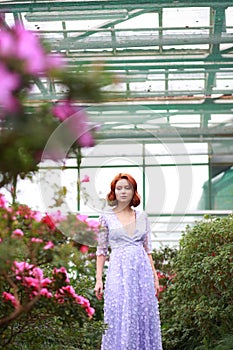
(130, 305)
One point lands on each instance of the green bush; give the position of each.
(197, 308)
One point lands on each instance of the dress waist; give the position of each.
(133, 244)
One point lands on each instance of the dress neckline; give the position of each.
(135, 218)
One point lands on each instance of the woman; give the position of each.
(130, 303)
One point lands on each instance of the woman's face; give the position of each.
(124, 191)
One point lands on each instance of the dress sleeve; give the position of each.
(102, 247)
(147, 244)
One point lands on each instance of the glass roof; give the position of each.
(173, 61)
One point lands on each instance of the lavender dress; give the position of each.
(130, 305)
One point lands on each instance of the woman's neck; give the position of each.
(123, 208)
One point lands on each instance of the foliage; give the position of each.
(26, 127)
(35, 287)
(197, 309)
(164, 264)
(53, 331)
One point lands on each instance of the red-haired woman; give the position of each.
(130, 303)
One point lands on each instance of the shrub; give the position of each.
(197, 309)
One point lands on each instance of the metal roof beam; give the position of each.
(32, 6)
(152, 40)
(219, 28)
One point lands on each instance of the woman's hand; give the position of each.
(99, 289)
(157, 288)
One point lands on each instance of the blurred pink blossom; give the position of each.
(37, 216)
(82, 217)
(86, 179)
(63, 271)
(49, 245)
(90, 311)
(9, 82)
(84, 249)
(21, 267)
(9, 297)
(36, 240)
(76, 121)
(3, 201)
(46, 293)
(31, 51)
(17, 232)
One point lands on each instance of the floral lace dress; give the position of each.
(130, 305)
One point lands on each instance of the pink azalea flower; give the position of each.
(29, 49)
(70, 290)
(37, 216)
(82, 301)
(31, 282)
(93, 224)
(3, 201)
(86, 179)
(49, 245)
(46, 281)
(82, 218)
(17, 233)
(9, 82)
(38, 273)
(86, 139)
(90, 311)
(63, 110)
(46, 293)
(84, 249)
(54, 61)
(62, 270)
(57, 216)
(9, 297)
(76, 122)
(7, 44)
(21, 267)
(36, 240)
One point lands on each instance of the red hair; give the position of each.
(111, 197)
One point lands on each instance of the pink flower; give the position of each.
(82, 301)
(57, 216)
(49, 245)
(3, 201)
(30, 50)
(21, 267)
(36, 240)
(70, 290)
(86, 179)
(93, 224)
(46, 281)
(54, 61)
(9, 297)
(7, 44)
(90, 311)
(82, 218)
(76, 122)
(63, 110)
(38, 273)
(84, 249)
(32, 282)
(9, 82)
(86, 139)
(46, 293)
(37, 216)
(63, 271)
(17, 233)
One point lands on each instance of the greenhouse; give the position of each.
(153, 79)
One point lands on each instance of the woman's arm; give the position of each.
(156, 280)
(100, 261)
